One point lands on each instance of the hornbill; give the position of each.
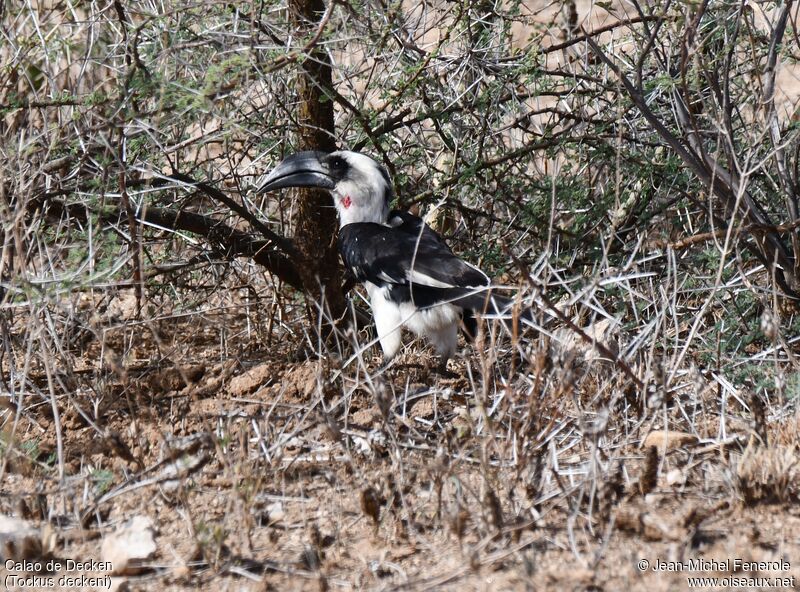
(412, 277)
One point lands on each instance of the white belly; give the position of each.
(439, 323)
(421, 322)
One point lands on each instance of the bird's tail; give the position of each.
(488, 304)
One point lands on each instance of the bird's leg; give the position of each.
(444, 342)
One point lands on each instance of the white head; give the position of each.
(360, 187)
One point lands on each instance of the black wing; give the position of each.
(409, 258)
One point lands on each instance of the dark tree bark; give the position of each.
(315, 220)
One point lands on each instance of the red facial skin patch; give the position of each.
(346, 201)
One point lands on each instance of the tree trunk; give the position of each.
(315, 219)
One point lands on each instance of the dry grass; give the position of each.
(147, 371)
(331, 473)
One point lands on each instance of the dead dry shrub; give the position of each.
(768, 474)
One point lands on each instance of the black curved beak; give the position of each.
(304, 169)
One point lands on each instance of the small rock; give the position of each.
(175, 473)
(123, 306)
(301, 380)
(246, 383)
(366, 418)
(181, 571)
(423, 408)
(275, 512)
(675, 477)
(129, 546)
(668, 439)
(603, 331)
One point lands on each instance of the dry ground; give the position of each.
(550, 473)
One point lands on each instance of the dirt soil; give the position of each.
(260, 473)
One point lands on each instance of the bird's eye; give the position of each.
(337, 163)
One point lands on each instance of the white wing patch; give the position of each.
(422, 279)
(383, 276)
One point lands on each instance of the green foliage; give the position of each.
(230, 73)
(103, 479)
(465, 104)
(211, 538)
(30, 448)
